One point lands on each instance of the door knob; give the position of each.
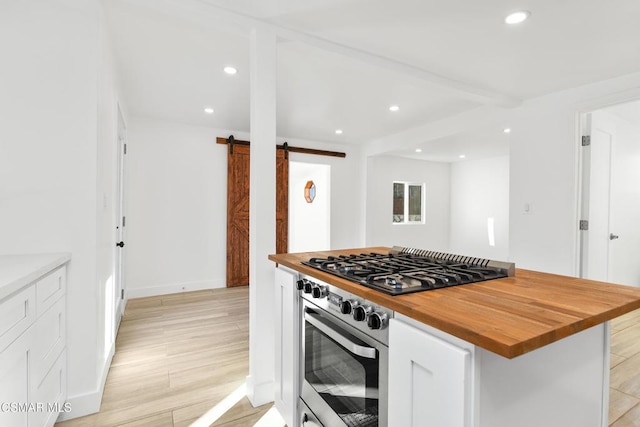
(306, 422)
(613, 236)
(121, 244)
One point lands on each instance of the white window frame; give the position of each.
(407, 184)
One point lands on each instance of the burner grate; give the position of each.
(405, 270)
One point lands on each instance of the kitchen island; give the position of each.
(534, 347)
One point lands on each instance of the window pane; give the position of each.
(415, 203)
(398, 202)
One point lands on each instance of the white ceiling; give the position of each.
(629, 111)
(435, 59)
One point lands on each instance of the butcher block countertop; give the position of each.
(509, 316)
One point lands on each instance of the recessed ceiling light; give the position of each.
(418, 150)
(394, 108)
(338, 131)
(208, 110)
(507, 130)
(517, 17)
(230, 70)
(462, 156)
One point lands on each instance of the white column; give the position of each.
(262, 216)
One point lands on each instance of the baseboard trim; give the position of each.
(259, 394)
(89, 403)
(172, 288)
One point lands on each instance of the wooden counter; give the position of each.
(509, 316)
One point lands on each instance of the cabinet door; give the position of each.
(429, 380)
(51, 392)
(287, 331)
(15, 390)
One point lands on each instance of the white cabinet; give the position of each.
(32, 352)
(287, 332)
(430, 380)
(14, 380)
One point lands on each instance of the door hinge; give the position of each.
(584, 224)
(125, 148)
(121, 293)
(586, 140)
(124, 221)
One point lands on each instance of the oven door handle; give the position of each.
(357, 349)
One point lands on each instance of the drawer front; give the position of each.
(51, 337)
(50, 288)
(51, 393)
(17, 313)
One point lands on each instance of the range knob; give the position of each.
(347, 306)
(377, 320)
(361, 312)
(308, 287)
(300, 284)
(319, 291)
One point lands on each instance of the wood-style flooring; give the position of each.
(178, 356)
(624, 392)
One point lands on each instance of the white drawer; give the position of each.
(51, 334)
(17, 313)
(50, 288)
(51, 393)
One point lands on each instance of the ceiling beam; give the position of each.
(461, 123)
(207, 10)
(455, 87)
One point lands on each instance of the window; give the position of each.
(408, 203)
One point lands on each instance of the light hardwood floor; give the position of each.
(177, 356)
(624, 394)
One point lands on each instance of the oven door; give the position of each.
(344, 372)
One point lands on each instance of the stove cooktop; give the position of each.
(406, 270)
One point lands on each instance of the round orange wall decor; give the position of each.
(309, 191)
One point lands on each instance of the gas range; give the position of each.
(407, 270)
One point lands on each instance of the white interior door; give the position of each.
(611, 195)
(598, 171)
(120, 222)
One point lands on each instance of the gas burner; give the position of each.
(406, 270)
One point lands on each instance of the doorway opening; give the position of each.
(309, 207)
(610, 194)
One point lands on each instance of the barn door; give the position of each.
(238, 160)
(238, 215)
(282, 201)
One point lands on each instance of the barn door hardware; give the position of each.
(230, 142)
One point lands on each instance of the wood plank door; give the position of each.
(238, 215)
(238, 164)
(282, 201)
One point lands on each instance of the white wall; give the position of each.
(480, 190)
(347, 190)
(176, 205)
(176, 195)
(543, 172)
(382, 171)
(48, 159)
(309, 223)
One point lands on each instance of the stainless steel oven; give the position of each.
(344, 358)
